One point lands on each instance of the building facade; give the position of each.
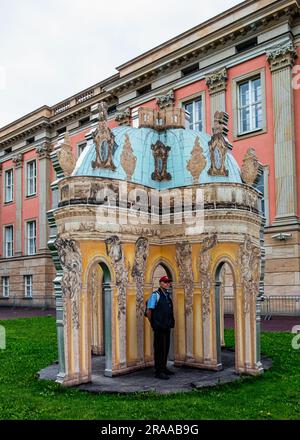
(244, 61)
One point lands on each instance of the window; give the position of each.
(261, 184)
(28, 286)
(190, 69)
(5, 287)
(144, 90)
(61, 130)
(250, 106)
(195, 110)
(30, 140)
(81, 147)
(31, 178)
(84, 121)
(8, 241)
(9, 186)
(31, 238)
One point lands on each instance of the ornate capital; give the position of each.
(123, 117)
(43, 151)
(18, 160)
(184, 263)
(282, 56)
(216, 81)
(166, 100)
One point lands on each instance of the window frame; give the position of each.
(26, 277)
(79, 146)
(34, 178)
(192, 98)
(9, 170)
(235, 83)
(28, 238)
(6, 227)
(5, 286)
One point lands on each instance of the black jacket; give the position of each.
(162, 316)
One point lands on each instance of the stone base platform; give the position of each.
(185, 378)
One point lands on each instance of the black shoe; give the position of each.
(161, 376)
(169, 372)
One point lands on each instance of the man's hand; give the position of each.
(149, 314)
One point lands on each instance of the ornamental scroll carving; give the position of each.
(250, 167)
(218, 145)
(65, 156)
(128, 159)
(166, 100)
(104, 141)
(184, 263)
(160, 153)
(249, 259)
(282, 56)
(216, 81)
(197, 162)
(71, 284)
(206, 281)
(138, 272)
(115, 252)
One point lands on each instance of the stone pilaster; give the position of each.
(216, 83)
(43, 152)
(281, 60)
(18, 164)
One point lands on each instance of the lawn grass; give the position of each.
(31, 345)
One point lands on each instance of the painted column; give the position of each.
(108, 329)
(281, 60)
(216, 83)
(18, 163)
(43, 152)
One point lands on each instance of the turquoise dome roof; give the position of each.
(181, 142)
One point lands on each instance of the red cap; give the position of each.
(165, 279)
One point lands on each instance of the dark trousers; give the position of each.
(161, 349)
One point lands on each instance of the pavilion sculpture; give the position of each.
(110, 237)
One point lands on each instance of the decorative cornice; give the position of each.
(166, 100)
(43, 150)
(216, 81)
(18, 160)
(282, 56)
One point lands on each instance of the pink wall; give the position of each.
(7, 211)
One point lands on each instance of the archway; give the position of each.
(225, 303)
(100, 324)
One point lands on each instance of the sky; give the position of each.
(52, 49)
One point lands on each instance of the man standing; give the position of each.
(160, 314)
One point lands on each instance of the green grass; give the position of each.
(31, 345)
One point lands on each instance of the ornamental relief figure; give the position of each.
(104, 141)
(71, 284)
(184, 263)
(115, 252)
(206, 281)
(138, 272)
(197, 162)
(160, 153)
(128, 159)
(218, 145)
(65, 156)
(250, 167)
(249, 258)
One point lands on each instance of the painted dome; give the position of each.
(181, 143)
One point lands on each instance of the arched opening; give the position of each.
(99, 293)
(225, 298)
(161, 270)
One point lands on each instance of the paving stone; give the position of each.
(185, 379)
